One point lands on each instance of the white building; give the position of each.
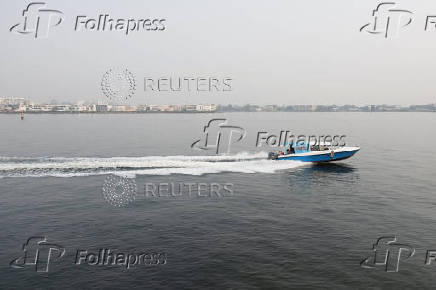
(206, 108)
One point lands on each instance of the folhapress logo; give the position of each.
(387, 254)
(217, 131)
(388, 20)
(37, 20)
(38, 253)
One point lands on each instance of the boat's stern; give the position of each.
(273, 156)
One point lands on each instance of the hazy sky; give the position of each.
(276, 52)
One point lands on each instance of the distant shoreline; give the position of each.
(216, 112)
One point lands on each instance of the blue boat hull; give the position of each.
(323, 157)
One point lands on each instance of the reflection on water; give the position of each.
(333, 167)
(320, 176)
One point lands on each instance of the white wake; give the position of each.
(150, 165)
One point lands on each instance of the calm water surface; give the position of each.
(287, 226)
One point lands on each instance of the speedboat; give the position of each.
(305, 152)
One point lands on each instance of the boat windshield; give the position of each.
(299, 147)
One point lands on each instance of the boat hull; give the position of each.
(322, 156)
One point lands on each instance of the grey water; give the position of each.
(286, 226)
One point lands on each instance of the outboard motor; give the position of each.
(273, 155)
